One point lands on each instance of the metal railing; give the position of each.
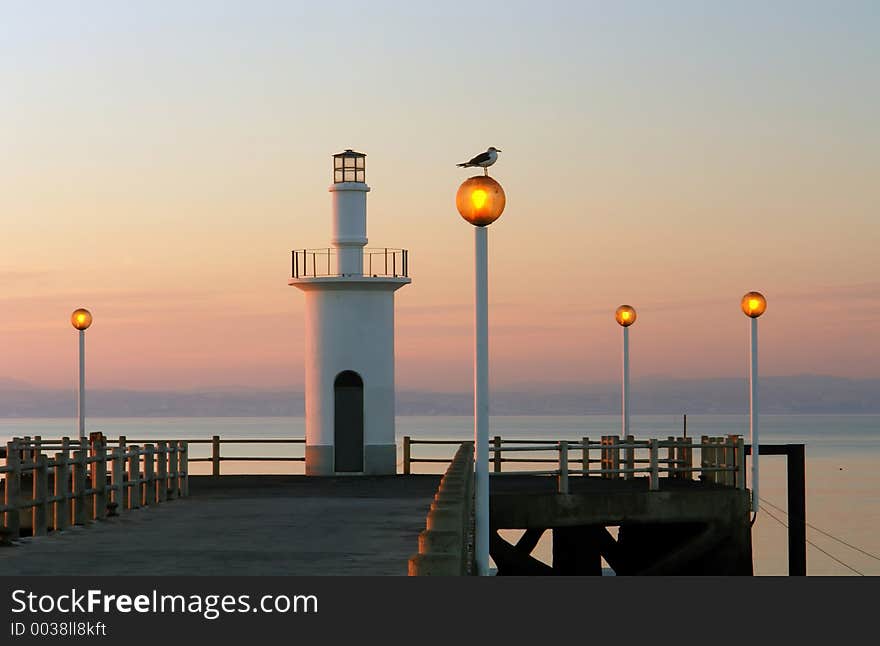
(377, 263)
(722, 459)
(83, 481)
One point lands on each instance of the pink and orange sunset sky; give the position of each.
(158, 161)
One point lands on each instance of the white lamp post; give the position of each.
(81, 319)
(753, 305)
(480, 200)
(625, 316)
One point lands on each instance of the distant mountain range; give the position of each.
(797, 394)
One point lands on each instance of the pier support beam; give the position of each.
(797, 511)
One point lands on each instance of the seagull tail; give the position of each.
(464, 165)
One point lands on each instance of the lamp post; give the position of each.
(625, 316)
(753, 305)
(81, 319)
(480, 200)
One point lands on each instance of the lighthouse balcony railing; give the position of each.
(376, 263)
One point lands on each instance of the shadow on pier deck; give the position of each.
(250, 525)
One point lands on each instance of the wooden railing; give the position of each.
(722, 459)
(216, 458)
(70, 482)
(445, 545)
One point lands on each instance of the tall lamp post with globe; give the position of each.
(625, 316)
(81, 319)
(480, 200)
(753, 305)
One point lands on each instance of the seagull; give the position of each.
(483, 160)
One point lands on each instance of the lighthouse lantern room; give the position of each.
(349, 335)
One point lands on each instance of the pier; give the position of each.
(111, 506)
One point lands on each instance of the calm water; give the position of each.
(843, 454)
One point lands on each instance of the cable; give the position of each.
(809, 542)
(822, 531)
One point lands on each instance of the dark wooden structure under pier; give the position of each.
(684, 528)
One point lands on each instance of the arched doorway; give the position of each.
(348, 429)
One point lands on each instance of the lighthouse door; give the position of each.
(348, 432)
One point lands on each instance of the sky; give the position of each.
(158, 162)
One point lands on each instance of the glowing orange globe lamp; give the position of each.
(625, 315)
(480, 200)
(753, 304)
(81, 319)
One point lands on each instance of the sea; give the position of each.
(842, 465)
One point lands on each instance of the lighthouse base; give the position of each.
(379, 459)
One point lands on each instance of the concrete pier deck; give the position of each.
(247, 525)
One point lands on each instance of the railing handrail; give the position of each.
(334, 250)
(98, 480)
(393, 263)
(722, 459)
(216, 442)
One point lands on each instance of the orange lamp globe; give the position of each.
(81, 319)
(625, 315)
(480, 200)
(753, 304)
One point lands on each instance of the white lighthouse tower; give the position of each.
(349, 335)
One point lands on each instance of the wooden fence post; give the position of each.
(615, 456)
(177, 468)
(689, 457)
(497, 457)
(92, 474)
(134, 477)
(704, 457)
(61, 516)
(407, 455)
(630, 457)
(215, 455)
(655, 473)
(172, 470)
(585, 455)
(183, 470)
(162, 472)
(149, 478)
(680, 459)
(117, 476)
(740, 463)
(13, 485)
(80, 511)
(563, 467)
(99, 478)
(40, 511)
(603, 456)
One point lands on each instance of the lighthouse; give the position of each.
(349, 335)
